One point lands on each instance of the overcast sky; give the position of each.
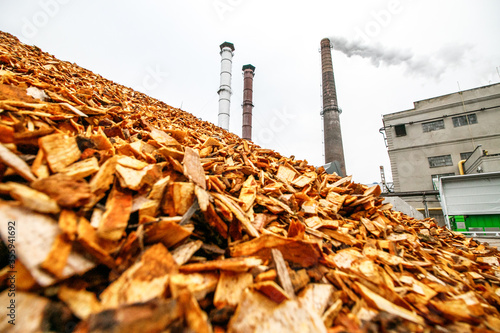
(389, 53)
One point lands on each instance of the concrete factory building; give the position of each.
(430, 140)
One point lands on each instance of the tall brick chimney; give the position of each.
(334, 150)
(248, 74)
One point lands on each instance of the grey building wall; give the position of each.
(409, 154)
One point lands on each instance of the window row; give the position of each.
(445, 160)
(436, 125)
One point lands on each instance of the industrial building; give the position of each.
(442, 136)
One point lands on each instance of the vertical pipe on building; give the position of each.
(248, 74)
(334, 151)
(226, 52)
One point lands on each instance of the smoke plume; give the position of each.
(430, 66)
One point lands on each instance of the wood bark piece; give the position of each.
(163, 138)
(60, 151)
(34, 314)
(381, 303)
(231, 264)
(282, 273)
(195, 318)
(81, 302)
(183, 196)
(317, 296)
(104, 177)
(56, 260)
(35, 236)
(115, 218)
(143, 281)
(238, 213)
(230, 288)
(154, 316)
(248, 193)
(272, 290)
(199, 284)
(65, 190)
(193, 169)
(132, 178)
(94, 245)
(32, 199)
(257, 313)
(13, 161)
(183, 253)
(168, 232)
(82, 169)
(332, 312)
(131, 163)
(300, 252)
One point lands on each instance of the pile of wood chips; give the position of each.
(134, 216)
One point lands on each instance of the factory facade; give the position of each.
(430, 141)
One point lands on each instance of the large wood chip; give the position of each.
(238, 213)
(168, 232)
(248, 193)
(193, 169)
(60, 151)
(196, 319)
(115, 218)
(199, 284)
(82, 169)
(83, 303)
(300, 252)
(163, 138)
(257, 313)
(317, 296)
(143, 281)
(230, 288)
(231, 264)
(56, 260)
(183, 253)
(152, 316)
(381, 303)
(65, 190)
(282, 273)
(87, 237)
(13, 161)
(33, 199)
(272, 290)
(104, 177)
(35, 234)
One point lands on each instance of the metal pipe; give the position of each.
(248, 75)
(226, 52)
(461, 167)
(334, 151)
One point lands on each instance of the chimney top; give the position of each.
(249, 67)
(325, 42)
(227, 44)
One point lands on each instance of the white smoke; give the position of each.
(427, 66)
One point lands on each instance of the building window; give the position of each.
(435, 179)
(464, 120)
(440, 161)
(433, 125)
(464, 156)
(400, 130)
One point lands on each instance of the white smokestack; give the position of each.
(226, 52)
